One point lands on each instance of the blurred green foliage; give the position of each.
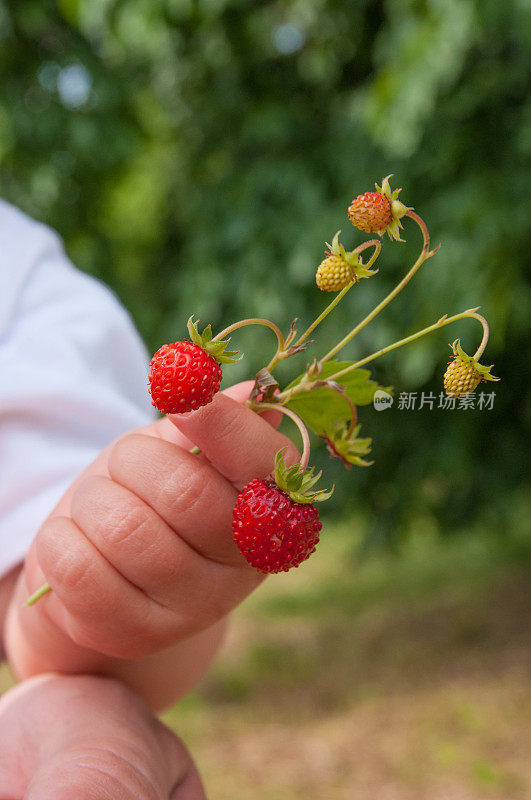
(197, 155)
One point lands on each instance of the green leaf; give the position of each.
(322, 408)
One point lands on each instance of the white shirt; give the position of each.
(73, 376)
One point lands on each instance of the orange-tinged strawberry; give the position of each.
(370, 212)
(379, 212)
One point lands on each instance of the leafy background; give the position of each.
(196, 156)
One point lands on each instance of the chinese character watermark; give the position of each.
(415, 401)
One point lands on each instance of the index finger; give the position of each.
(163, 429)
(237, 441)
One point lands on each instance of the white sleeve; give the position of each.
(73, 376)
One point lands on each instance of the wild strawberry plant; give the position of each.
(276, 524)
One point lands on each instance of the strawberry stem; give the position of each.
(424, 230)
(353, 416)
(471, 313)
(479, 352)
(252, 321)
(44, 589)
(424, 255)
(305, 457)
(281, 352)
(377, 247)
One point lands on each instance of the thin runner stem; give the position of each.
(424, 255)
(470, 313)
(377, 247)
(252, 321)
(36, 596)
(305, 457)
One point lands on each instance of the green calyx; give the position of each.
(481, 369)
(398, 209)
(297, 483)
(352, 258)
(343, 443)
(216, 349)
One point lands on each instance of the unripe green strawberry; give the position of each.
(339, 268)
(334, 273)
(460, 378)
(464, 373)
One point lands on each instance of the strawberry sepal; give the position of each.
(348, 447)
(398, 209)
(482, 370)
(351, 257)
(216, 349)
(297, 483)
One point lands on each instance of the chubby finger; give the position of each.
(164, 429)
(101, 610)
(91, 601)
(235, 440)
(187, 492)
(241, 391)
(131, 536)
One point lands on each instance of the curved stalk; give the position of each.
(424, 255)
(305, 457)
(281, 345)
(252, 321)
(479, 352)
(376, 243)
(371, 243)
(353, 417)
(469, 313)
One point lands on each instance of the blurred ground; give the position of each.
(404, 677)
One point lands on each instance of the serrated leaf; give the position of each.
(322, 408)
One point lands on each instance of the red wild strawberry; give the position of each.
(274, 524)
(183, 377)
(186, 375)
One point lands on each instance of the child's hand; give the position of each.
(91, 739)
(140, 554)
